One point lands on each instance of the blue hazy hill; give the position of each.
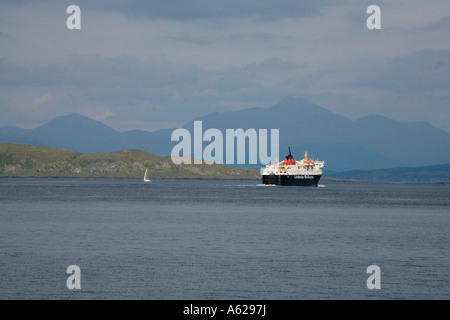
(423, 174)
(370, 143)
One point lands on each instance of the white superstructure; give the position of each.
(302, 167)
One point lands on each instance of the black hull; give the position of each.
(292, 180)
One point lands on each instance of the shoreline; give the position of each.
(164, 178)
(230, 179)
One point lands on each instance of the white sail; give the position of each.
(145, 177)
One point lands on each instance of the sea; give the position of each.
(222, 239)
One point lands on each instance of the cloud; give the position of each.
(124, 89)
(421, 72)
(235, 38)
(170, 61)
(41, 100)
(182, 10)
(411, 88)
(154, 89)
(442, 24)
(207, 9)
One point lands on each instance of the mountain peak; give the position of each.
(75, 121)
(299, 108)
(377, 119)
(72, 117)
(290, 101)
(74, 132)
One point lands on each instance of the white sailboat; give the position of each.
(145, 177)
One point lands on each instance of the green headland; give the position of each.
(19, 160)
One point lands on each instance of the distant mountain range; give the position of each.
(370, 143)
(426, 174)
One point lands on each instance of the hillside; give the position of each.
(19, 160)
(427, 174)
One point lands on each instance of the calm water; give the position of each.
(222, 240)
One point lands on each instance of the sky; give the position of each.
(147, 64)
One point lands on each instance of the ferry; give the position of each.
(291, 172)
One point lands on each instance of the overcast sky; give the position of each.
(157, 64)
